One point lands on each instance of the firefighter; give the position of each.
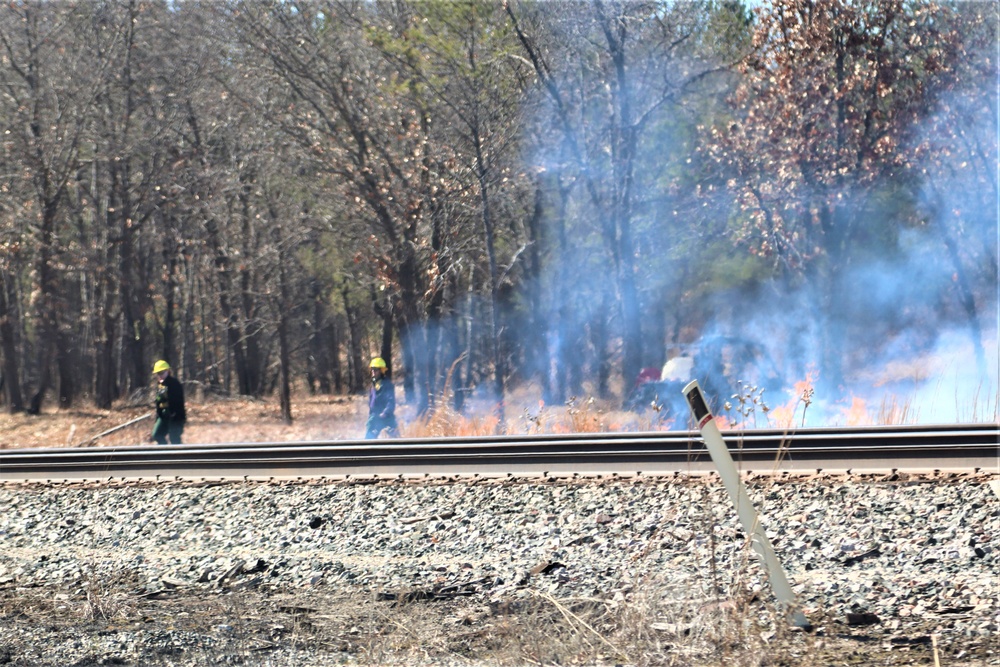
(170, 413)
(381, 402)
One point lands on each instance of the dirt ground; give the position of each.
(220, 419)
(210, 420)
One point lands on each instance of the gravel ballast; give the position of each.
(189, 573)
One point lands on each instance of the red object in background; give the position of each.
(649, 374)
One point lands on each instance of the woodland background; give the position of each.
(492, 194)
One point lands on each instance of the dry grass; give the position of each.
(210, 420)
(216, 419)
(577, 416)
(649, 624)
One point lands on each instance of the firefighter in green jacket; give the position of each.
(170, 413)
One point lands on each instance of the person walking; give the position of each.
(381, 402)
(170, 413)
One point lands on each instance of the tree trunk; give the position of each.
(602, 355)
(47, 310)
(105, 387)
(135, 364)
(452, 352)
(414, 342)
(254, 356)
(284, 355)
(826, 281)
(333, 347)
(406, 346)
(434, 324)
(8, 346)
(319, 364)
(467, 334)
(536, 355)
(385, 349)
(357, 368)
(412, 331)
(968, 301)
(561, 326)
(169, 351)
(499, 363)
(234, 336)
(66, 352)
(195, 366)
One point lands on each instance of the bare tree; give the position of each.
(462, 59)
(117, 190)
(370, 135)
(50, 93)
(612, 75)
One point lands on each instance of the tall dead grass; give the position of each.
(525, 414)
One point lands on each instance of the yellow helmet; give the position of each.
(160, 366)
(378, 362)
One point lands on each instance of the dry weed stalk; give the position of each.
(652, 625)
(104, 600)
(405, 631)
(576, 621)
(580, 418)
(443, 421)
(892, 411)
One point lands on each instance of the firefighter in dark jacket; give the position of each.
(170, 414)
(381, 402)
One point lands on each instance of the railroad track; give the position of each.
(907, 448)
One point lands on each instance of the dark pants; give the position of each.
(375, 425)
(164, 429)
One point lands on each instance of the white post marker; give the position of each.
(744, 507)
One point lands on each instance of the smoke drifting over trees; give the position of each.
(498, 195)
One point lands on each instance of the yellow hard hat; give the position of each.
(160, 366)
(378, 362)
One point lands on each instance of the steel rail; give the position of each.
(942, 447)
